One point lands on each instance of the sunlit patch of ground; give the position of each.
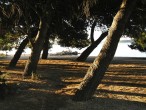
(123, 87)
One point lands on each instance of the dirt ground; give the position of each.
(123, 87)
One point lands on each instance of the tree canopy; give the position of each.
(68, 20)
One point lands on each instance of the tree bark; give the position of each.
(97, 70)
(18, 53)
(45, 49)
(89, 49)
(31, 65)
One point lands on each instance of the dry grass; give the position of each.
(123, 87)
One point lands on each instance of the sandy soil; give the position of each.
(123, 87)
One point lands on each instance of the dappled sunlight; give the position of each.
(124, 82)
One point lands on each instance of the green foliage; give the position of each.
(142, 40)
(9, 41)
(68, 20)
(74, 34)
(9, 17)
(139, 42)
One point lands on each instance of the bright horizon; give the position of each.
(122, 51)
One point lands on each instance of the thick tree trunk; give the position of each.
(18, 53)
(97, 70)
(31, 65)
(45, 49)
(89, 49)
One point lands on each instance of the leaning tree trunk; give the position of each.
(18, 53)
(89, 49)
(45, 49)
(97, 70)
(32, 62)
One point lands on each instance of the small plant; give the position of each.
(2, 79)
(2, 55)
(35, 76)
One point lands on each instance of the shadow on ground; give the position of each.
(123, 87)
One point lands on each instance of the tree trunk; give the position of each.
(89, 49)
(45, 49)
(92, 31)
(18, 53)
(97, 70)
(31, 65)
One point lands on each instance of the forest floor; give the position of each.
(123, 87)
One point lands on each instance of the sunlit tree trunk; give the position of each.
(45, 49)
(84, 55)
(97, 70)
(31, 65)
(92, 31)
(18, 53)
